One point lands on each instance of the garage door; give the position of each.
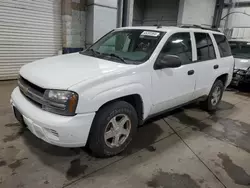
(155, 10)
(29, 30)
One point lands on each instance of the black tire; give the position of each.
(96, 140)
(207, 104)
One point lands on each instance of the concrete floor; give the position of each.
(188, 148)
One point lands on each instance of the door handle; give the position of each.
(191, 72)
(216, 66)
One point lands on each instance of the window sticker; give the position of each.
(150, 33)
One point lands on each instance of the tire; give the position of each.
(209, 104)
(103, 123)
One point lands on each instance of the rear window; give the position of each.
(205, 48)
(240, 49)
(223, 45)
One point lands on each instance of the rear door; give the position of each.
(226, 61)
(206, 63)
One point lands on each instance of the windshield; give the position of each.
(240, 49)
(126, 46)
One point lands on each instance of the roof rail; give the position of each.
(199, 27)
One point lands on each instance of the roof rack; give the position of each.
(199, 27)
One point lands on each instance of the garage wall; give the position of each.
(139, 6)
(198, 12)
(74, 25)
(29, 30)
(237, 20)
(149, 12)
(161, 9)
(101, 18)
(237, 24)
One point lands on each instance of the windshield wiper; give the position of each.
(116, 56)
(95, 53)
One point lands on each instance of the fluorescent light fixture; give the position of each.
(177, 41)
(244, 61)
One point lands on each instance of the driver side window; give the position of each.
(119, 42)
(180, 45)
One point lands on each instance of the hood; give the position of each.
(243, 64)
(64, 71)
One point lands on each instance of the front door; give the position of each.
(174, 86)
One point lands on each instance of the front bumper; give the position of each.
(55, 129)
(241, 77)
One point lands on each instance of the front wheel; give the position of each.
(214, 98)
(113, 129)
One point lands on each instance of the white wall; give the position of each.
(236, 25)
(101, 18)
(237, 20)
(196, 12)
(108, 3)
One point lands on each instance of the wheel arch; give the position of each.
(223, 78)
(135, 94)
(135, 100)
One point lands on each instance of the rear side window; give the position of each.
(205, 47)
(223, 45)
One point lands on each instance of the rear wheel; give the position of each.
(214, 98)
(113, 129)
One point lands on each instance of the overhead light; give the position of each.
(177, 41)
(244, 61)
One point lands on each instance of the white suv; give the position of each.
(98, 97)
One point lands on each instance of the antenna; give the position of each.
(158, 25)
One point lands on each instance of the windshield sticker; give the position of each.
(150, 33)
(248, 43)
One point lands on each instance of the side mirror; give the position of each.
(167, 61)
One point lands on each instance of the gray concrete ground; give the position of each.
(187, 148)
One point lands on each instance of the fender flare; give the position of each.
(122, 91)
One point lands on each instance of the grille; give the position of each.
(31, 91)
(31, 85)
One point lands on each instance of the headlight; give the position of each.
(60, 102)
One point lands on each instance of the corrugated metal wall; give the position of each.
(148, 12)
(157, 9)
(240, 33)
(29, 30)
